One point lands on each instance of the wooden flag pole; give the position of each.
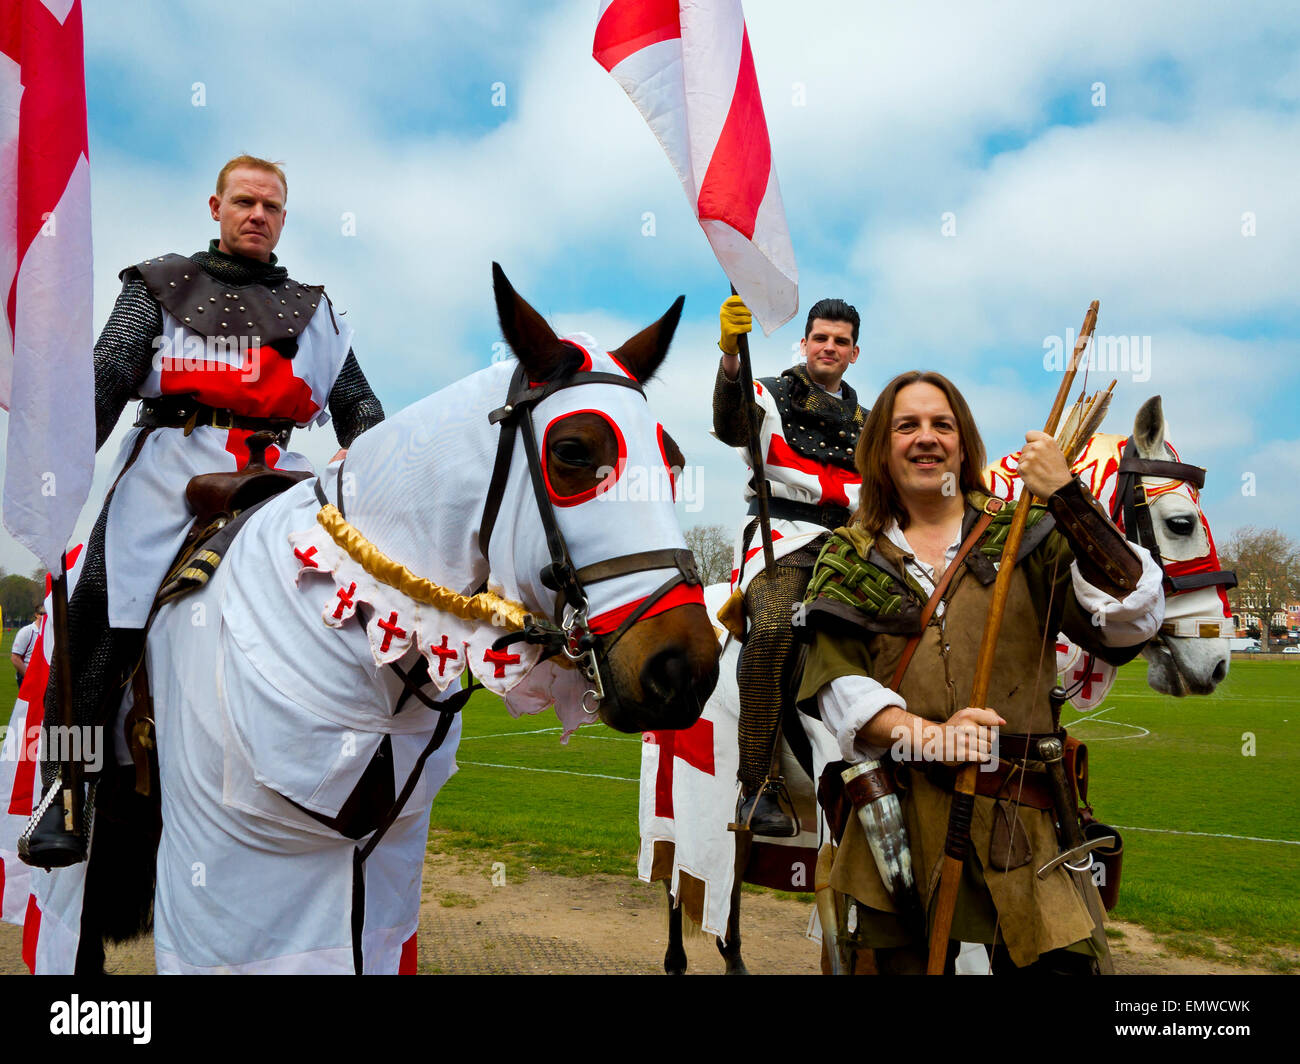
(755, 453)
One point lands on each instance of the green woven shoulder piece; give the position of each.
(996, 537)
(842, 576)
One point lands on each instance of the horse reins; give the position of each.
(571, 633)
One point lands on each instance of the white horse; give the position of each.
(697, 856)
(296, 768)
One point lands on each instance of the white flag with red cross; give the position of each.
(688, 67)
(46, 370)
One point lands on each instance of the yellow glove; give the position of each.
(735, 319)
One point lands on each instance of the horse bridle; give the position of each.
(570, 634)
(1131, 502)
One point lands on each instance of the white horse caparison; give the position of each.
(275, 711)
(1190, 656)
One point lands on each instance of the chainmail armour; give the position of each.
(768, 658)
(102, 657)
(819, 426)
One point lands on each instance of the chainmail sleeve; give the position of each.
(353, 406)
(729, 414)
(123, 353)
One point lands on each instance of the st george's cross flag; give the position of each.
(688, 67)
(46, 368)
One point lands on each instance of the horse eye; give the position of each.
(1181, 525)
(571, 452)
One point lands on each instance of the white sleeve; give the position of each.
(1133, 619)
(22, 641)
(847, 704)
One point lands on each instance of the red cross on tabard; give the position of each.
(832, 479)
(694, 746)
(390, 629)
(305, 556)
(345, 600)
(444, 652)
(1086, 692)
(500, 659)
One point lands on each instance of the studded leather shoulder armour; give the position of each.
(815, 424)
(215, 308)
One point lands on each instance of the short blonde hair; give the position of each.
(251, 162)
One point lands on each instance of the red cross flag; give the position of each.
(687, 66)
(46, 368)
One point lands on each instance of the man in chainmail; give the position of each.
(219, 345)
(809, 422)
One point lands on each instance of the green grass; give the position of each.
(1190, 774)
(1187, 774)
(571, 824)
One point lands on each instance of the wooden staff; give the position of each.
(755, 453)
(957, 844)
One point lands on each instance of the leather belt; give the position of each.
(789, 510)
(1009, 780)
(187, 413)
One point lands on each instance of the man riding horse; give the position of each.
(909, 581)
(219, 344)
(808, 427)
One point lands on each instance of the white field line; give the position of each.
(544, 731)
(557, 771)
(1210, 835)
(1141, 732)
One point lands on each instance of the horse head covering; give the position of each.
(412, 565)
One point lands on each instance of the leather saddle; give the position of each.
(221, 503)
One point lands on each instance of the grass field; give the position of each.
(1161, 767)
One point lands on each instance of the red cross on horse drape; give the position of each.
(694, 746)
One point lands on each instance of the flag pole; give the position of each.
(755, 452)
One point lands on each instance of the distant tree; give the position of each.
(711, 545)
(19, 598)
(1267, 564)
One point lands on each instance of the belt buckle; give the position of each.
(229, 417)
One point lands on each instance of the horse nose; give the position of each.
(1220, 671)
(666, 676)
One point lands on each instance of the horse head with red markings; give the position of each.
(1157, 504)
(626, 602)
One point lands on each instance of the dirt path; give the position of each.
(541, 923)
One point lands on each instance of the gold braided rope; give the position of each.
(486, 606)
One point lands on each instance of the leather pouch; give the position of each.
(1009, 842)
(732, 615)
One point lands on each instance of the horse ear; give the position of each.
(645, 351)
(530, 338)
(1149, 429)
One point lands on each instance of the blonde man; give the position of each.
(218, 344)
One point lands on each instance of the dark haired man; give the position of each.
(219, 345)
(921, 502)
(809, 422)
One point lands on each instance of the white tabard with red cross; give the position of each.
(148, 516)
(793, 477)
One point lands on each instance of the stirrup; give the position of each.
(46, 842)
(769, 812)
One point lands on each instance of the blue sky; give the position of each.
(884, 118)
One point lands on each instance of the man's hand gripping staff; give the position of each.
(1043, 474)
